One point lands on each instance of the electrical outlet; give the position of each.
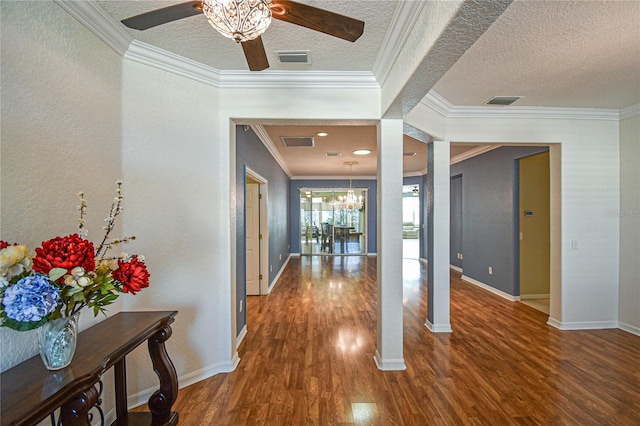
(241, 306)
(461, 256)
(490, 270)
(270, 268)
(280, 257)
(574, 244)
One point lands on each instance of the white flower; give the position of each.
(77, 277)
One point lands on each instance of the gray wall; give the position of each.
(455, 245)
(489, 216)
(296, 185)
(250, 152)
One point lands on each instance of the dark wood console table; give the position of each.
(30, 392)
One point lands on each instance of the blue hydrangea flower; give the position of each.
(30, 299)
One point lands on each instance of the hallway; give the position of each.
(307, 359)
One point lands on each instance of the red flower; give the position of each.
(4, 244)
(65, 252)
(132, 274)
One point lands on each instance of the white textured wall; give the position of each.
(60, 134)
(590, 187)
(630, 224)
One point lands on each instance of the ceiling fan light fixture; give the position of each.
(241, 20)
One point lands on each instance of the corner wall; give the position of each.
(629, 214)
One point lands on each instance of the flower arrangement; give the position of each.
(66, 274)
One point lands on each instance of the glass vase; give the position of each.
(57, 341)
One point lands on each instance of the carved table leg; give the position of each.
(76, 411)
(161, 401)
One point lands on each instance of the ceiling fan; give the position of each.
(245, 20)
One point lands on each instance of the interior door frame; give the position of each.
(264, 228)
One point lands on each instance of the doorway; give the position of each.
(534, 223)
(411, 222)
(256, 234)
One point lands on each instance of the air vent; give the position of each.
(293, 57)
(297, 141)
(502, 100)
(333, 154)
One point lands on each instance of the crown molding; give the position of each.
(402, 22)
(299, 79)
(443, 107)
(156, 57)
(630, 111)
(472, 153)
(92, 16)
(268, 143)
(332, 177)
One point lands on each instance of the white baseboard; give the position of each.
(372, 254)
(275, 279)
(294, 255)
(582, 325)
(491, 289)
(438, 328)
(534, 296)
(455, 268)
(629, 328)
(241, 336)
(423, 260)
(389, 364)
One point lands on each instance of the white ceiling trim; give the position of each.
(92, 16)
(472, 153)
(299, 79)
(630, 111)
(402, 22)
(311, 177)
(268, 143)
(443, 107)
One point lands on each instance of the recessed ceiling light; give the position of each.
(321, 134)
(362, 152)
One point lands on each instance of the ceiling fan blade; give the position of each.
(157, 17)
(255, 54)
(317, 19)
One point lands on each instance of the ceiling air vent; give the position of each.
(297, 141)
(502, 100)
(333, 154)
(293, 57)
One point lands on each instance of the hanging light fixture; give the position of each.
(350, 202)
(241, 20)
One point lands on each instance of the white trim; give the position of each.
(443, 107)
(92, 16)
(534, 296)
(423, 260)
(142, 397)
(629, 328)
(262, 134)
(472, 153)
(277, 277)
(630, 111)
(241, 336)
(416, 173)
(402, 22)
(582, 325)
(455, 268)
(299, 79)
(493, 290)
(164, 60)
(438, 328)
(372, 254)
(389, 364)
(354, 178)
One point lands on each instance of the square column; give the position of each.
(438, 225)
(389, 351)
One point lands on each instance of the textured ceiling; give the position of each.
(196, 39)
(582, 53)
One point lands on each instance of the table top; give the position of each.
(29, 392)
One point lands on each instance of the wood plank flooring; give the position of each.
(307, 359)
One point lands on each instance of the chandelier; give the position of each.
(349, 202)
(241, 20)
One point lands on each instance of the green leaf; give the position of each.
(56, 273)
(22, 326)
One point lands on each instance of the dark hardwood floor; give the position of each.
(307, 359)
